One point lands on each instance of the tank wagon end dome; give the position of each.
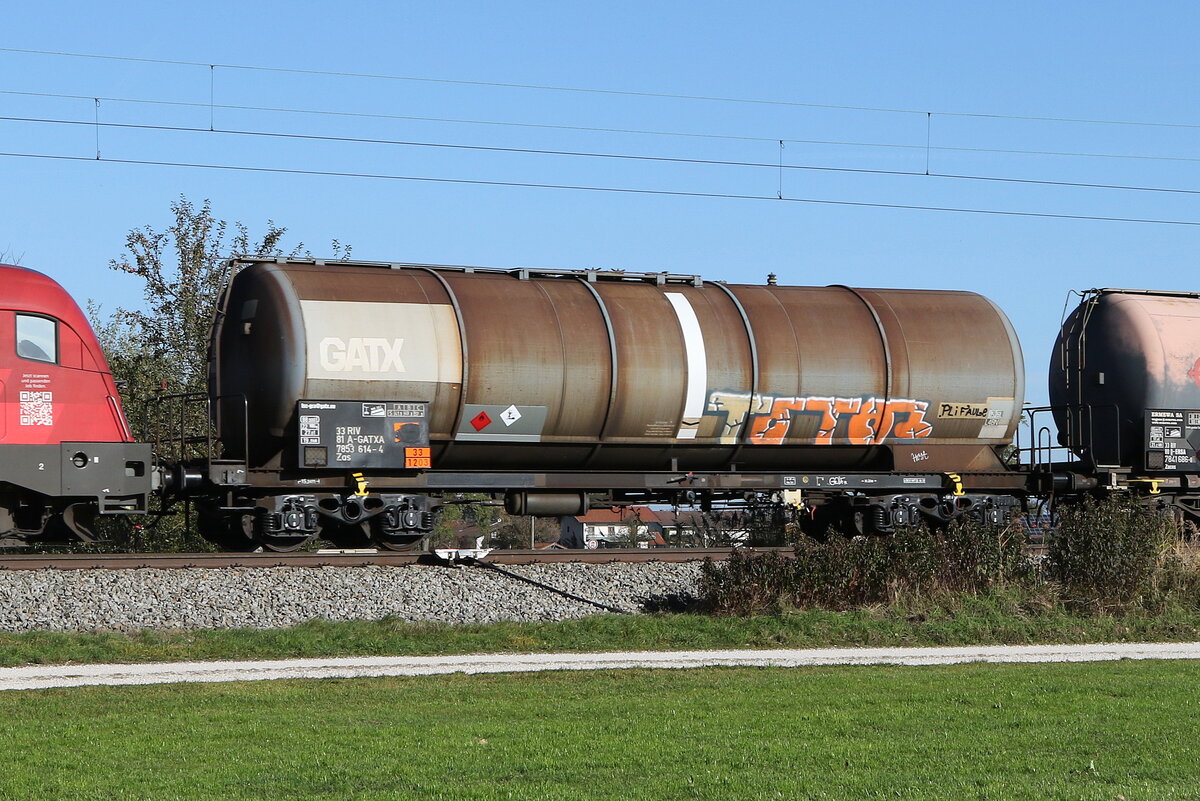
(1121, 354)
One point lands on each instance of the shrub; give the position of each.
(841, 573)
(1115, 556)
(1115, 553)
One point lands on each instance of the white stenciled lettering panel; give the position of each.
(357, 341)
(1000, 413)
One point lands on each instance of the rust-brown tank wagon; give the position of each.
(623, 373)
(550, 387)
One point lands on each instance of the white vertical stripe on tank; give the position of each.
(697, 365)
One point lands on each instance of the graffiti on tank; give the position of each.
(853, 421)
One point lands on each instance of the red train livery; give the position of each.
(66, 450)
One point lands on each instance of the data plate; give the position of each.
(363, 434)
(1173, 440)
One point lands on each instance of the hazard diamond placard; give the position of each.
(510, 415)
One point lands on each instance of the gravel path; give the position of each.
(46, 676)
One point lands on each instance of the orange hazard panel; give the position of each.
(417, 458)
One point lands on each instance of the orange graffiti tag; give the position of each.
(771, 428)
(868, 421)
(914, 425)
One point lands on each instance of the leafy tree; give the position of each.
(183, 269)
(472, 514)
(512, 531)
(161, 348)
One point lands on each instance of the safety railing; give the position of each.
(184, 429)
(1092, 436)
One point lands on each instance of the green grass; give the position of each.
(1092, 731)
(995, 619)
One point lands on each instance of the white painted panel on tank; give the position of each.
(999, 418)
(697, 365)
(356, 341)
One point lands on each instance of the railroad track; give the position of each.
(358, 558)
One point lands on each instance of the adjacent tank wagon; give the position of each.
(1125, 391)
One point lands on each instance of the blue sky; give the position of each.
(1003, 62)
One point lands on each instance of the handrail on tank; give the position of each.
(1043, 436)
(1040, 449)
(211, 441)
(589, 275)
(159, 426)
(1170, 293)
(1081, 420)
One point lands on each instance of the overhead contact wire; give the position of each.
(590, 90)
(612, 189)
(594, 129)
(781, 166)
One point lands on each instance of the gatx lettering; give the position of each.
(361, 354)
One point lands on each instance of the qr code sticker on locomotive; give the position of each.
(37, 408)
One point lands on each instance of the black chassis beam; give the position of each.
(447, 481)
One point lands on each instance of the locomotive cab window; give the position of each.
(37, 338)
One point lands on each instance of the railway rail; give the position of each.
(364, 557)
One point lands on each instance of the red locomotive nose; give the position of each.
(54, 381)
(66, 452)
(1195, 372)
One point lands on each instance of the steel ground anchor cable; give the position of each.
(472, 560)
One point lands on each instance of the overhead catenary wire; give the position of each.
(611, 189)
(927, 146)
(593, 90)
(780, 165)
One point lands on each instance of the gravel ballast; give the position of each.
(277, 597)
